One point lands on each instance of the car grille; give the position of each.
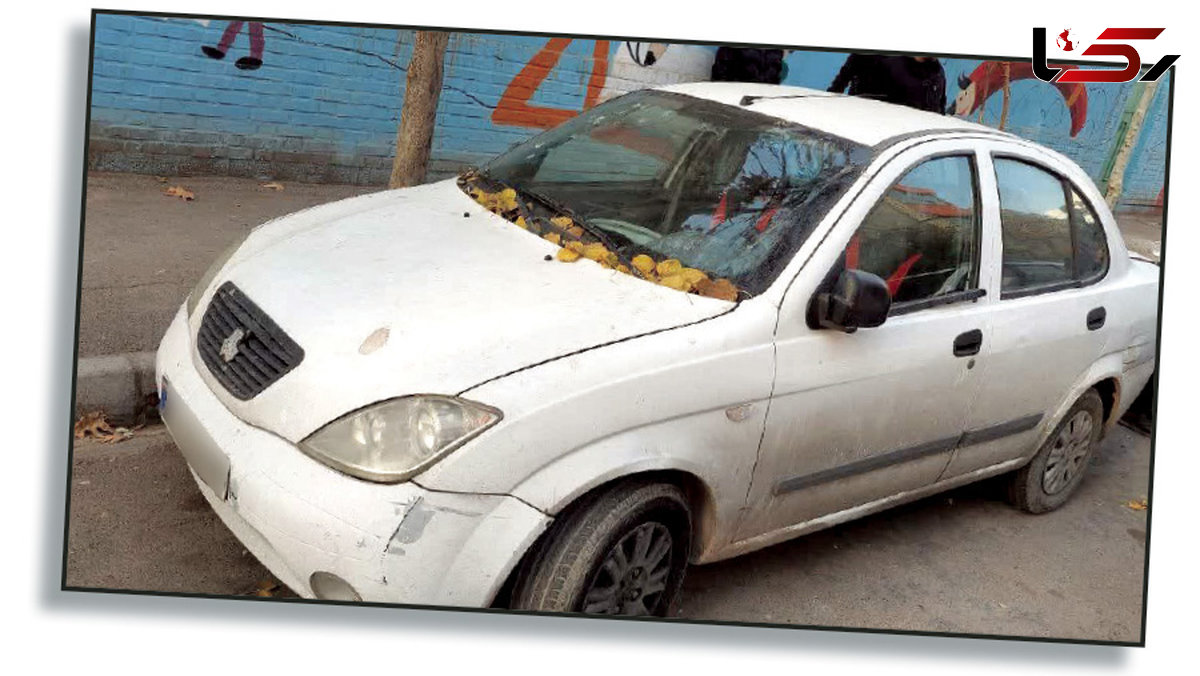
(243, 349)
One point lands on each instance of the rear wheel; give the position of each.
(621, 552)
(1057, 469)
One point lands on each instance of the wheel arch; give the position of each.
(1109, 389)
(1104, 375)
(701, 504)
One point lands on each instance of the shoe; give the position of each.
(248, 63)
(212, 52)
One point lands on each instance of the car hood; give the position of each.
(421, 290)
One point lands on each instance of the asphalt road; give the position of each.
(963, 561)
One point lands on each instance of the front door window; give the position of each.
(922, 237)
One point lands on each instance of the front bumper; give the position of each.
(397, 543)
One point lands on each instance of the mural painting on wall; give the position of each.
(514, 107)
(635, 65)
(257, 43)
(991, 77)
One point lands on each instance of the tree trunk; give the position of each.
(421, 90)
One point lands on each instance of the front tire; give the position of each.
(1056, 471)
(622, 551)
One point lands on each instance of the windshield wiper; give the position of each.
(747, 100)
(550, 203)
(564, 210)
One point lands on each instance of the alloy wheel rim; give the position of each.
(1069, 453)
(633, 576)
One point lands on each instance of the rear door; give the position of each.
(1049, 322)
(860, 417)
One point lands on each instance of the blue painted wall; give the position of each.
(326, 102)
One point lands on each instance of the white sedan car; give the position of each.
(687, 324)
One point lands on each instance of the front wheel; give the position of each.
(621, 552)
(1057, 469)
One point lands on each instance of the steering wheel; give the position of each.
(631, 231)
(954, 280)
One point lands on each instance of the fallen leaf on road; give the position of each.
(180, 192)
(1137, 505)
(94, 424)
(161, 179)
(266, 588)
(273, 186)
(119, 434)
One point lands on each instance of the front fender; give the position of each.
(715, 453)
(692, 400)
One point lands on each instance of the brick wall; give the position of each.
(325, 104)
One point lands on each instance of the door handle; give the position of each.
(1095, 318)
(967, 344)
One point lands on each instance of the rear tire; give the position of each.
(1056, 471)
(620, 552)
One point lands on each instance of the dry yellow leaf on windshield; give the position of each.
(567, 255)
(553, 237)
(721, 288)
(507, 199)
(692, 275)
(595, 251)
(497, 202)
(676, 282)
(643, 263)
(668, 267)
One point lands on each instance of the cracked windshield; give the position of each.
(691, 194)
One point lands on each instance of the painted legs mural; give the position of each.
(251, 62)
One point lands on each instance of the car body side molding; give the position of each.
(910, 453)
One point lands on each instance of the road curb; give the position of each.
(120, 385)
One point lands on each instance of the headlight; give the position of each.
(396, 439)
(210, 274)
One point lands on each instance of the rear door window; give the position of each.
(1051, 236)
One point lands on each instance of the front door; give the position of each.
(859, 417)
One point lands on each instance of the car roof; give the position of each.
(857, 119)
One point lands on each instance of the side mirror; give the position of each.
(857, 300)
